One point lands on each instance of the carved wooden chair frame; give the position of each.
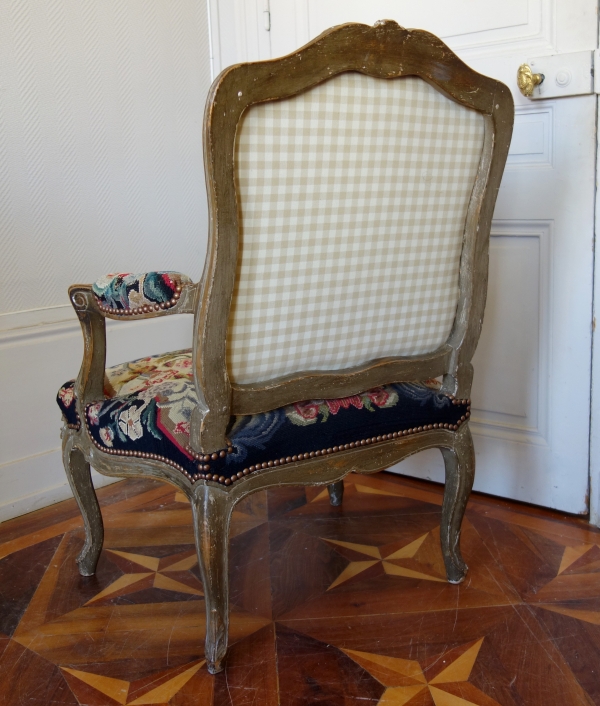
(385, 51)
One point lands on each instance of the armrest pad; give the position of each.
(130, 294)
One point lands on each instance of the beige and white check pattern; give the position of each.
(353, 198)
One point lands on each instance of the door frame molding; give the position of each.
(594, 490)
(236, 30)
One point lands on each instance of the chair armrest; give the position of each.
(89, 385)
(92, 310)
(144, 294)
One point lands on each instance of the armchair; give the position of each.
(351, 188)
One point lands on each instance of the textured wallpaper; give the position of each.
(101, 107)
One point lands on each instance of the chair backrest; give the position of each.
(353, 199)
(351, 187)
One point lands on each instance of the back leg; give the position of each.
(80, 480)
(336, 492)
(460, 473)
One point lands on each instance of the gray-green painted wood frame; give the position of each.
(386, 51)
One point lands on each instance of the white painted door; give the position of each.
(531, 391)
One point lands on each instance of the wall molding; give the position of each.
(36, 317)
(44, 472)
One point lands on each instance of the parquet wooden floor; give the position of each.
(329, 605)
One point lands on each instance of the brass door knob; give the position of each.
(527, 80)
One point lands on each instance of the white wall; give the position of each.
(101, 108)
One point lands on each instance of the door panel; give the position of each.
(470, 27)
(509, 360)
(532, 367)
(531, 391)
(450, 19)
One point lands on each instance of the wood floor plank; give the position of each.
(330, 605)
(20, 575)
(313, 672)
(558, 530)
(251, 676)
(26, 679)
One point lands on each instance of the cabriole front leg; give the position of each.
(212, 512)
(80, 480)
(460, 473)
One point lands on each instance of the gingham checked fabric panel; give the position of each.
(353, 198)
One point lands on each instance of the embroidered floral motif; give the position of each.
(126, 290)
(142, 374)
(107, 435)
(93, 412)
(378, 396)
(130, 423)
(154, 395)
(66, 401)
(67, 395)
(344, 403)
(182, 428)
(304, 413)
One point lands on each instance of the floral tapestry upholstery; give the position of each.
(66, 402)
(128, 292)
(149, 404)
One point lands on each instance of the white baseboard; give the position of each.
(35, 482)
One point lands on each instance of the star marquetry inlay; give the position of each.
(155, 575)
(125, 692)
(446, 679)
(578, 577)
(413, 560)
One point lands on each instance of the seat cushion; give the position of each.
(149, 404)
(127, 293)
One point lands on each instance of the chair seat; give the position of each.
(149, 402)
